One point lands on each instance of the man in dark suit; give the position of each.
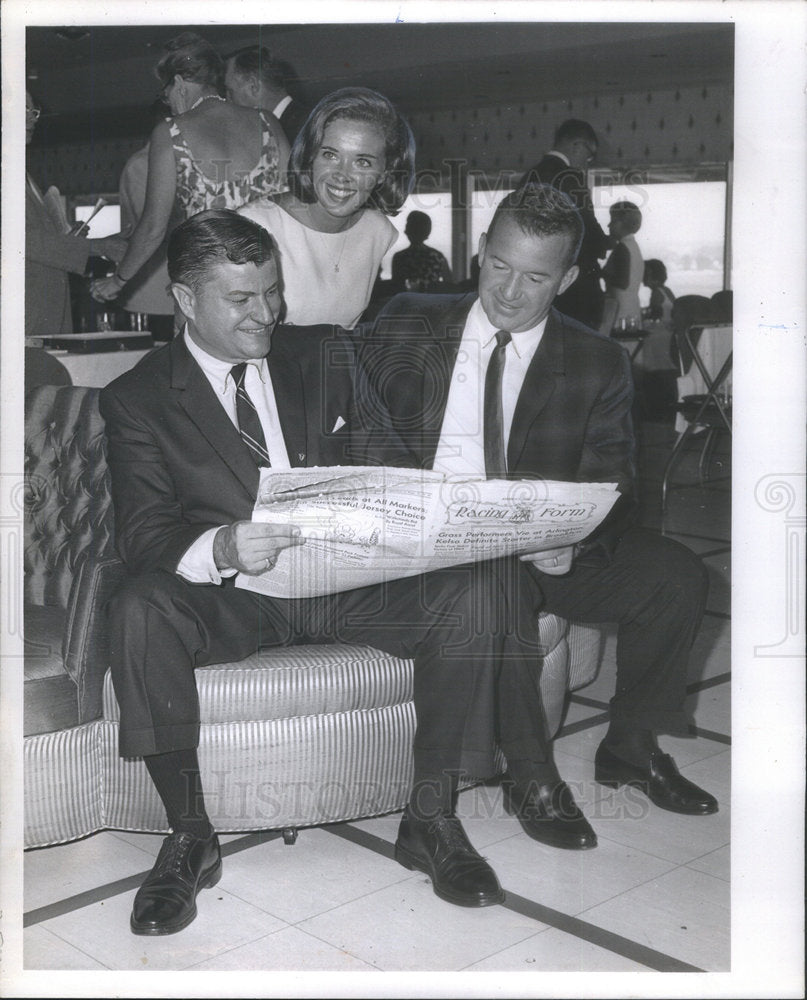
(504, 384)
(564, 167)
(188, 429)
(51, 254)
(254, 79)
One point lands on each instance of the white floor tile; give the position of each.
(684, 914)
(286, 950)
(571, 881)
(102, 929)
(43, 950)
(716, 863)
(314, 875)
(385, 827)
(554, 951)
(407, 927)
(54, 873)
(637, 823)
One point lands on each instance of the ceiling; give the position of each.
(106, 70)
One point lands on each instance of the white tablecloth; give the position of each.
(97, 369)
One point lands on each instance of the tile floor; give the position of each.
(655, 895)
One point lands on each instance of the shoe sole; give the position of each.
(414, 863)
(207, 881)
(535, 835)
(605, 777)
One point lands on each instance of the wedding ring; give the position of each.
(269, 562)
(554, 560)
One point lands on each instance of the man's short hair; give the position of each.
(210, 238)
(629, 215)
(575, 128)
(257, 61)
(358, 104)
(542, 210)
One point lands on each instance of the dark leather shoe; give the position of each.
(548, 813)
(659, 779)
(166, 901)
(440, 848)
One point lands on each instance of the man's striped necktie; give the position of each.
(249, 424)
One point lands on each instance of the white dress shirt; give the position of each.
(461, 449)
(560, 156)
(281, 106)
(197, 564)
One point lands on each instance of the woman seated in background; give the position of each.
(655, 354)
(211, 154)
(351, 166)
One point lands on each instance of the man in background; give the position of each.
(254, 79)
(51, 253)
(564, 167)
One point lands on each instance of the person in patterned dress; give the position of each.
(210, 154)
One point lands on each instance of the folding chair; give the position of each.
(708, 403)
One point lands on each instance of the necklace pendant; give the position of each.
(336, 267)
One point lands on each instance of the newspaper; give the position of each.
(365, 525)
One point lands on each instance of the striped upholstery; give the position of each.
(63, 788)
(295, 681)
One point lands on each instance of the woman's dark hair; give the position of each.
(654, 270)
(629, 214)
(194, 59)
(357, 104)
(211, 237)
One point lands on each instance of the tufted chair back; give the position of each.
(67, 496)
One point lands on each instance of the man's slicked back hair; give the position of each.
(212, 237)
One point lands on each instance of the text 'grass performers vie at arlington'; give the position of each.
(363, 526)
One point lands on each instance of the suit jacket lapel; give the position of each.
(197, 399)
(292, 407)
(547, 365)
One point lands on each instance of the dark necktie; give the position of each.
(249, 424)
(495, 445)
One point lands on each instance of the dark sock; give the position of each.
(433, 795)
(179, 785)
(526, 772)
(633, 745)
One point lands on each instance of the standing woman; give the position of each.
(210, 154)
(351, 166)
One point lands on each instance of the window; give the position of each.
(683, 222)
(105, 222)
(437, 205)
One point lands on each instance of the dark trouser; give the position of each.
(655, 590)
(476, 666)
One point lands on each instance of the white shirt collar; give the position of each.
(560, 156)
(524, 343)
(216, 370)
(281, 106)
